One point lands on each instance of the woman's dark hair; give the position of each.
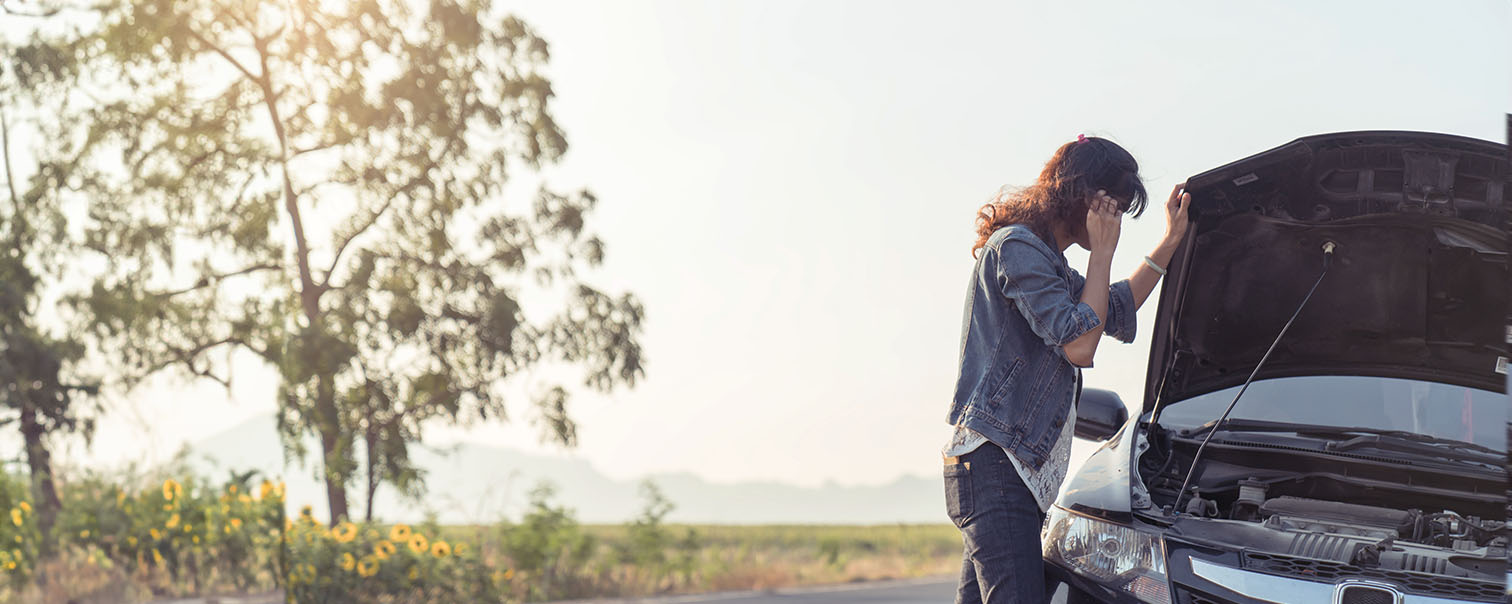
(1077, 170)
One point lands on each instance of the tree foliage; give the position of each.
(42, 389)
(328, 185)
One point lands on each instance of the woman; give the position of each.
(1031, 322)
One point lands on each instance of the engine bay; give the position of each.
(1362, 513)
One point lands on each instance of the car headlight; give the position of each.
(1112, 554)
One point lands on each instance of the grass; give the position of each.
(725, 558)
(737, 558)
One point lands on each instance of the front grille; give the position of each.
(1187, 595)
(1409, 582)
(1364, 594)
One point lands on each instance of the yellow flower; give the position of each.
(16, 516)
(120, 497)
(236, 523)
(155, 534)
(384, 549)
(84, 534)
(399, 533)
(461, 549)
(188, 528)
(367, 567)
(509, 574)
(345, 532)
(418, 543)
(440, 549)
(244, 499)
(196, 539)
(348, 562)
(26, 507)
(305, 512)
(157, 556)
(264, 490)
(414, 573)
(171, 489)
(131, 541)
(173, 521)
(167, 506)
(231, 489)
(10, 565)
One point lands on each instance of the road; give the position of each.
(934, 590)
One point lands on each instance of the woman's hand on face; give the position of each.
(1176, 214)
(1104, 222)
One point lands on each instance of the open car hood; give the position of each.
(1417, 288)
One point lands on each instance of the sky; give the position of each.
(789, 189)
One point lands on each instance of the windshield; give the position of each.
(1430, 408)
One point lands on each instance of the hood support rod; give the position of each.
(1328, 252)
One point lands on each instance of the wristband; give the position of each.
(1154, 267)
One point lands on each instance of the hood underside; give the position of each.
(1417, 287)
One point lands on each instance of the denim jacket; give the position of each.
(1024, 305)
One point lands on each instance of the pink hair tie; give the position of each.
(1081, 138)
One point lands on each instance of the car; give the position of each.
(1324, 415)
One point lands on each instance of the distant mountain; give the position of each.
(472, 483)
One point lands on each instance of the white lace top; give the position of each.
(1046, 483)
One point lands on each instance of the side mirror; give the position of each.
(1099, 414)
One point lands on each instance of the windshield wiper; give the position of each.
(1358, 436)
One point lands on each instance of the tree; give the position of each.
(326, 186)
(39, 377)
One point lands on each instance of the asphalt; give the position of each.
(933, 590)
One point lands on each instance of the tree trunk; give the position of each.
(44, 492)
(330, 443)
(370, 442)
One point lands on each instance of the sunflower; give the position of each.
(440, 549)
(367, 567)
(345, 532)
(347, 562)
(173, 521)
(171, 489)
(16, 516)
(418, 543)
(264, 490)
(400, 533)
(155, 534)
(25, 507)
(384, 549)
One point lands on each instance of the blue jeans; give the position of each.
(1000, 525)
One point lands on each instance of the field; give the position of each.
(760, 557)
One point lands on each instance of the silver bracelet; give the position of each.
(1154, 267)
